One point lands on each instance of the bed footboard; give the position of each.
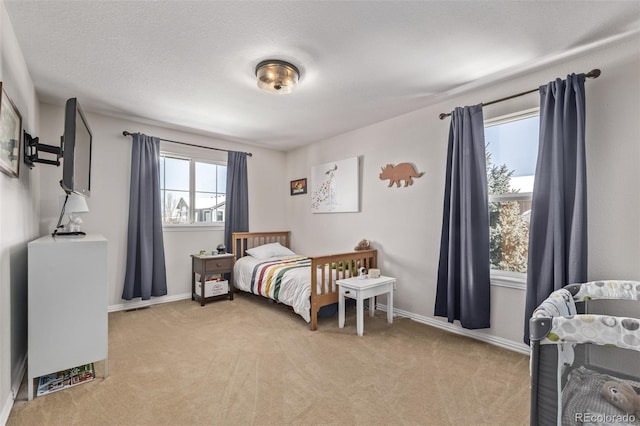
(329, 269)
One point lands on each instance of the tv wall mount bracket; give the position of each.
(33, 148)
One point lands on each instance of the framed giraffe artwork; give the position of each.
(334, 187)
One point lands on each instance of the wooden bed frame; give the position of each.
(367, 258)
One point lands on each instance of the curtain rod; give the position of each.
(591, 74)
(126, 133)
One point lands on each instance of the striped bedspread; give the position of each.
(267, 276)
(285, 279)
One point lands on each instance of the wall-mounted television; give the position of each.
(76, 150)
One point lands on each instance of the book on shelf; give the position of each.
(65, 378)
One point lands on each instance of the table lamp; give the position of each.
(72, 204)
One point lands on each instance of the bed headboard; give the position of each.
(246, 240)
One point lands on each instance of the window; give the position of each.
(193, 191)
(512, 151)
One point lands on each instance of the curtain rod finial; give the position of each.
(443, 115)
(595, 73)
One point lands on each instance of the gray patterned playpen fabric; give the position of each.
(568, 327)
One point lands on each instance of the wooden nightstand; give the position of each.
(211, 270)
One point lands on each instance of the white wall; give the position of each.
(404, 224)
(18, 223)
(109, 200)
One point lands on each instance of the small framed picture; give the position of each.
(10, 135)
(299, 186)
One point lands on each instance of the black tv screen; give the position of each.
(76, 152)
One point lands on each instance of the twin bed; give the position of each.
(265, 266)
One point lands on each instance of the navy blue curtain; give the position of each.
(145, 274)
(236, 213)
(463, 291)
(558, 234)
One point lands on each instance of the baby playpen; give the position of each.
(585, 355)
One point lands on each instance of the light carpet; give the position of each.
(250, 362)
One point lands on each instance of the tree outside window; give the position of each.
(512, 145)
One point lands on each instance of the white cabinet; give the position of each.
(67, 296)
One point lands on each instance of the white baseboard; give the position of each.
(493, 340)
(16, 381)
(6, 409)
(146, 303)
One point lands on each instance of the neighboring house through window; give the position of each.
(193, 190)
(512, 150)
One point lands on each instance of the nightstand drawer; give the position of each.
(224, 264)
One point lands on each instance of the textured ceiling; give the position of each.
(190, 64)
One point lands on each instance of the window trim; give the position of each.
(508, 279)
(514, 116)
(499, 277)
(192, 225)
(510, 196)
(196, 227)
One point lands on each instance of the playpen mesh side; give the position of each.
(583, 381)
(545, 411)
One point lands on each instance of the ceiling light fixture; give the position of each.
(275, 76)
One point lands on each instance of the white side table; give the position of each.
(360, 289)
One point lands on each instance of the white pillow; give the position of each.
(269, 250)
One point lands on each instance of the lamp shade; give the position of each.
(275, 76)
(76, 204)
